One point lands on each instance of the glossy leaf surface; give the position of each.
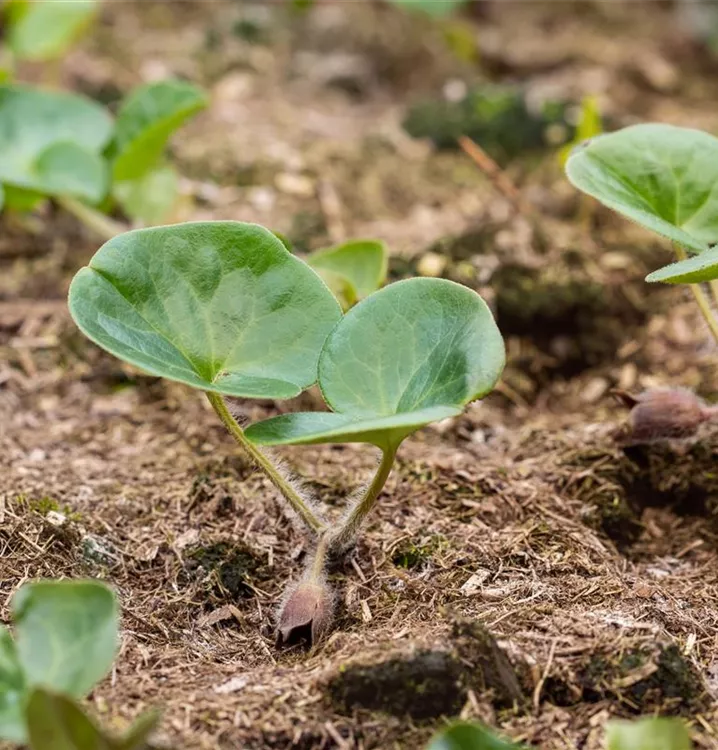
(50, 142)
(66, 633)
(221, 306)
(660, 176)
(410, 354)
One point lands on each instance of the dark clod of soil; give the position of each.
(430, 683)
(426, 685)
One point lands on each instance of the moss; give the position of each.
(426, 685)
(235, 566)
(411, 555)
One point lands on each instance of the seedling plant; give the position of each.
(664, 178)
(65, 640)
(224, 307)
(66, 147)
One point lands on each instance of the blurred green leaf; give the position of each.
(46, 29)
(435, 8)
(65, 633)
(148, 198)
(648, 734)
(146, 120)
(12, 691)
(50, 142)
(589, 126)
(462, 736)
(17, 199)
(56, 722)
(221, 306)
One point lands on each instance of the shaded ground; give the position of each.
(593, 566)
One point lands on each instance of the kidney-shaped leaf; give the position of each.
(12, 691)
(66, 633)
(648, 734)
(412, 353)
(436, 8)
(693, 270)
(463, 736)
(44, 29)
(145, 122)
(221, 306)
(50, 142)
(362, 263)
(660, 176)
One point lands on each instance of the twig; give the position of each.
(547, 668)
(499, 179)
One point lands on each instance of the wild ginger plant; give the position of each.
(65, 640)
(224, 307)
(664, 178)
(66, 147)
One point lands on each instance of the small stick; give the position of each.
(499, 179)
(547, 669)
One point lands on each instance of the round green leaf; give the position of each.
(66, 633)
(221, 306)
(145, 122)
(463, 736)
(698, 268)
(50, 142)
(660, 176)
(363, 263)
(414, 352)
(648, 734)
(12, 691)
(45, 29)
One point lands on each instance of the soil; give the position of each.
(523, 567)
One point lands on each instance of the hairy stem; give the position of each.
(297, 503)
(316, 567)
(701, 298)
(94, 220)
(359, 512)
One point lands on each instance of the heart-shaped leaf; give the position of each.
(65, 633)
(149, 198)
(45, 29)
(363, 263)
(50, 142)
(412, 353)
(693, 270)
(145, 122)
(648, 734)
(660, 176)
(221, 306)
(12, 691)
(462, 736)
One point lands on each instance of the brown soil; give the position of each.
(522, 567)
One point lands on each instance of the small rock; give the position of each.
(431, 264)
(594, 390)
(298, 185)
(98, 550)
